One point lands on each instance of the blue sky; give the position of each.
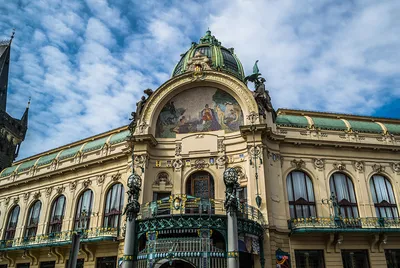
(86, 62)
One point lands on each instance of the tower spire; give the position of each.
(24, 118)
(5, 49)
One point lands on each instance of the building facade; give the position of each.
(315, 189)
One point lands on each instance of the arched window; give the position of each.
(33, 219)
(84, 210)
(11, 223)
(342, 186)
(383, 196)
(200, 184)
(114, 205)
(301, 195)
(57, 215)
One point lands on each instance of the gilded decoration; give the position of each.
(200, 164)
(198, 64)
(199, 109)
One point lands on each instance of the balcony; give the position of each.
(59, 239)
(188, 212)
(317, 224)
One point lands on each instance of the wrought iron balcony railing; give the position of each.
(61, 238)
(176, 205)
(318, 224)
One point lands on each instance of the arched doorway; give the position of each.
(200, 184)
(175, 264)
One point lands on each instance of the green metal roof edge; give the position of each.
(12, 169)
(124, 134)
(360, 128)
(26, 165)
(97, 146)
(392, 128)
(327, 127)
(71, 152)
(39, 163)
(288, 123)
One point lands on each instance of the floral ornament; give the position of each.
(339, 166)
(358, 166)
(319, 163)
(101, 178)
(60, 189)
(86, 183)
(378, 168)
(49, 190)
(72, 185)
(396, 167)
(298, 164)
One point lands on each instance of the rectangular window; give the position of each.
(392, 258)
(106, 262)
(79, 263)
(159, 195)
(355, 259)
(309, 258)
(23, 265)
(3, 265)
(47, 264)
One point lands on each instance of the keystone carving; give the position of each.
(358, 166)
(339, 166)
(116, 177)
(86, 183)
(298, 164)
(37, 195)
(378, 168)
(319, 163)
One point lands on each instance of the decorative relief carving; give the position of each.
(100, 179)
(54, 164)
(49, 190)
(7, 201)
(396, 167)
(16, 200)
(339, 166)
(358, 166)
(178, 149)
(37, 195)
(200, 164)
(72, 185)
(143, 127)
(140, 161)
(60, 189)
(221, 146)
(221, 161)
(319, 163)
(275, 157)
(241, 175)
(26, 196)
(177, 164)
(378, 168)
(162, 177)
(86, 183)
(298, 164)
(116, 177)
(78, 158)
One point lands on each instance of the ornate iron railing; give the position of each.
(344, 224)
(60, 238)
(189, 205)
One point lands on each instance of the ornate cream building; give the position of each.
(316, 189)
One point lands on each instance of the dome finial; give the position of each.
(209, 39)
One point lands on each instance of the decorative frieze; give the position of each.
(319, 163)
(358, 166)
(339, 166)
(378, 168)
(200, 164)
(298, 164)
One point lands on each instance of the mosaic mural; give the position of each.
(199, 110)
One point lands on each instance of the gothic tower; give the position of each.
(12, 130)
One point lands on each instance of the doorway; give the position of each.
(176, 264)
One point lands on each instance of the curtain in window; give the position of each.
(57, 215)
(343, 188)
(84, 210)
(33, 219)
(114, 205)
(12, 223)
(301, 195)
(383, 197)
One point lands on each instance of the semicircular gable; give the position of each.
(229, 101)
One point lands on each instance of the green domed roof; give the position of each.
(222, 59)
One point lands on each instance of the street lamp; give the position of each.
(255, 154)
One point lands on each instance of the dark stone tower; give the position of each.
(12, 131)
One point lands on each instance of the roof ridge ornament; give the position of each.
(209, 39)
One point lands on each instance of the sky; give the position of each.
(85, 63)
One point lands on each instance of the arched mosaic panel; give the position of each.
(199, 109)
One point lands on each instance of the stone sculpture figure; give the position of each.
(139, 106)
(133, 123)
